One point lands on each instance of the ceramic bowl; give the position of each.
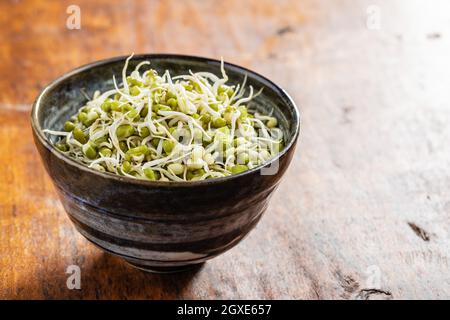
(159, 226)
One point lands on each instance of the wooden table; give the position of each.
(364, 211)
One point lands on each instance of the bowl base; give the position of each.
(162, 269)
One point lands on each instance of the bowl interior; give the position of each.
(66, 95)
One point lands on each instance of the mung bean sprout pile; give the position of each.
(182, 128)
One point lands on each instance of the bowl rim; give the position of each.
(107, 175)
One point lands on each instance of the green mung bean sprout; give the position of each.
(183, 128)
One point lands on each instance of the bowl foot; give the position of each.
(168, 269)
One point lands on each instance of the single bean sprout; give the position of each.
(184, 128)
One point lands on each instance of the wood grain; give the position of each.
(367, 197)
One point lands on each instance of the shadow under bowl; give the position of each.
(159, 226)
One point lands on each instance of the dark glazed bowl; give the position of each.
(159, 226)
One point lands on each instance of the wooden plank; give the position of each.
(365, 204)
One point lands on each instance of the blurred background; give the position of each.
(364, 212)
